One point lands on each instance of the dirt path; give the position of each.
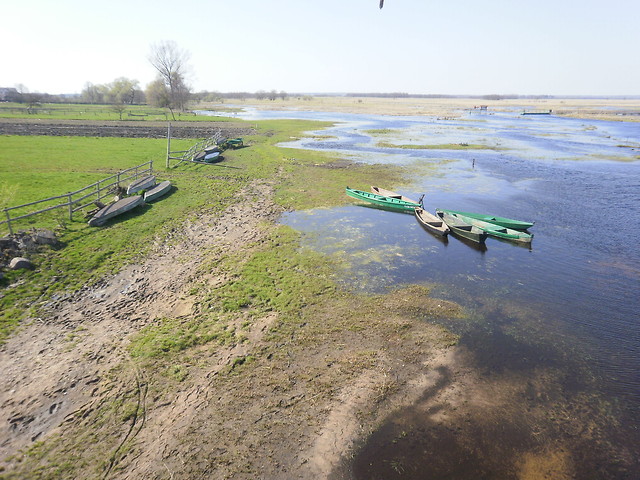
(51, 368)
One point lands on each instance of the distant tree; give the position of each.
(122, 91)
(171, 64)
(261, 94)
(119, 108)
(272, 95)
(283, 95)
(33, 101)
(158, 94)
(95, 93)
(18, 96)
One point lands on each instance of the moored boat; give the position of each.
(212, 157)
(431, 223)
(461, 228)
(117, 208)
(143, 183)
(390, 194)
(382, 201)
(156, 192)
(502, 221)
(497, 231)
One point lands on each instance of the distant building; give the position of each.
(8, 94)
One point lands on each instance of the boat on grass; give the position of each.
(382, 201)
(497, 231)
(502, 221)
(117, 208)
(156, 192)
(461, 228)
(431, 223)
(390, 194)
(233, 143)
(143, 183)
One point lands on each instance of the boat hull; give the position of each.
(158, 191)
(382, 201)
(390, 194)
(497, 231)
(462, 229)
(431, 223)
(121, 206)
(502, 221)
(144, 183)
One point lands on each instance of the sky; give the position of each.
(456, 47)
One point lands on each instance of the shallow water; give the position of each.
(569, 303)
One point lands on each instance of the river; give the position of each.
(570, 304)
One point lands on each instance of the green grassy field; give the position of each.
(72, 111)
(37, 167)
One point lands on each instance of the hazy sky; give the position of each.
(573, 47)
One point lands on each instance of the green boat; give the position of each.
(382, 201)
(503, 222)
(461, 228)
(494, 230)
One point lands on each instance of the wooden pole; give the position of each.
(168, 142)
(70, 208)
(8, 221)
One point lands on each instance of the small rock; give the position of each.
(18, 263)
(45, 237)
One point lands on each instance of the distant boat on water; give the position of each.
(537, 112)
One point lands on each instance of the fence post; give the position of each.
(168, 143)
(8, 221)
(70, 207)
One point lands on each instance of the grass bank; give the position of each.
(33, 168)
(88, 112)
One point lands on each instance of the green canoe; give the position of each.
(461, 228)
(503, 222)
(382, 201)
(495, 230)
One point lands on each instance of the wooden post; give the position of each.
(168, 142)
(8, 221)
(70, 208)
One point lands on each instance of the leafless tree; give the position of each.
(171, 62)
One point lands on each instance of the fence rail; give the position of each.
(99, 190)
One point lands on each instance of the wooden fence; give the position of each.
(188, 155)
(75, 201)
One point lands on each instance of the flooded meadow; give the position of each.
(549, 350)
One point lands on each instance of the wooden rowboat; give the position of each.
(461, 228)
(382, 201)
(143, 183)
(431, 223)
(117, 208)
(156, 192)
(502, 221)
(390, 194)
(497, 231)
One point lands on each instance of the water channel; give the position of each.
(569, 306)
